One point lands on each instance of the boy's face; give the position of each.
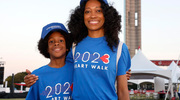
(56, 45)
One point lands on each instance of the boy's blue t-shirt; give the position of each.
(95, 69)
(53, 83)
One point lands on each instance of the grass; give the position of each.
(132, 97)
(145, 97)
(14, 99)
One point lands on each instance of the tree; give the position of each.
(18, 78)
(9, 80)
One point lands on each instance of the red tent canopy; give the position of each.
(164, 62)
(21, 84)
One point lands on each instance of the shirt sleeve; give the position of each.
(33, 93)
(124, 62)
(69, 56)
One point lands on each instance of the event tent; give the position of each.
(175, 72)
(142, 68)
(139, 81)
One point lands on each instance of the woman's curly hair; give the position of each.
(112, 24)
(43, 43)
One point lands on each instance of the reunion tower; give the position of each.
(132, 25)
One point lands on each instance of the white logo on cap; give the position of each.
(52, 27)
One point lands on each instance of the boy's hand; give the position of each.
(128, 74)
(30, 79)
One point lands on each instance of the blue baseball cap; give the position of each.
(52, 26)
(105, 1)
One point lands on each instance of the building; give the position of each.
(133, 25)
(1, 71)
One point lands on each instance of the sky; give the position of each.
(21, 23)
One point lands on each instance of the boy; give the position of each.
(54, 79)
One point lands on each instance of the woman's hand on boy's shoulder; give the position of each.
(128, 74)
(30, 79)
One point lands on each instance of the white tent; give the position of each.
(142, 68)
(136, 81)
(159, 84)
(140, 65)
(175, 72)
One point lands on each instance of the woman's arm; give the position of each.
(30, 79)
(122, 88)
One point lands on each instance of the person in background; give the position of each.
(178, 90)
(55, 78)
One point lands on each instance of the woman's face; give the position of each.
(93, 16)
(56, 45)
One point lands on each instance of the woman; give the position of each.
(95, 26)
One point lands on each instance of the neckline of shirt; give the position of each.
(94, 39)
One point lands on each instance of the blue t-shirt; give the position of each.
(95, 69)
(53, 83)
